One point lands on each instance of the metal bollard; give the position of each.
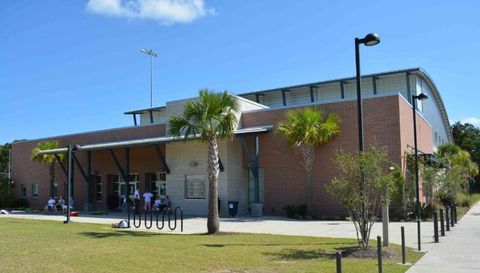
(379, 253)
(435, 227)
(455, 212)
(404, 257)
(442, 223)
(452, 217)
(339, 262)
(447, 218)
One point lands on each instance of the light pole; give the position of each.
(370, 39)
(71, 149)
(420, 97)
(152, 54)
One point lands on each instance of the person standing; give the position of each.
(137, 201)
(147, 198)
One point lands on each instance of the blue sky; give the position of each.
(73, 66)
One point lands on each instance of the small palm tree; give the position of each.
(210, 118)
(306, 130)
(47, 159)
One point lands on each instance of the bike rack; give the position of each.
(135, 219)
(149, 222)
(145, 220)
(175, 219)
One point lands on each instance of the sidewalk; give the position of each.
(267, 225)
(458, 251)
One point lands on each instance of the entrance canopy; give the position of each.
(149, 141)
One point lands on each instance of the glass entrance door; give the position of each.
(120, 187)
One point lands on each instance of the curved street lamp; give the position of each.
(419, 97)
(370, 39)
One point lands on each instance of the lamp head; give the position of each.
(421, 96)
(370, 39)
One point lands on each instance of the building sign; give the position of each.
(195, 187)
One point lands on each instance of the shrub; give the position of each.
(464, 200)
(296, 211)
(20, 203)
(426, 211)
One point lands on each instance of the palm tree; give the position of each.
(306, 130)
(210, 118)
(47, 159)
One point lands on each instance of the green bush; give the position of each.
(463, 200)
(296, 211)
(426, 211)
(19, 203)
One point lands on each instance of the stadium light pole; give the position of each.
(420, 97)
(152, 54)
(370, 39)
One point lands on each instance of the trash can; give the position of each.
(233, 208)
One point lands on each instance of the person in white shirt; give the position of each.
(137, 200)
(148, 198)
(51, 205)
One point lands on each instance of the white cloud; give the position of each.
(163, 11)
(472, 120)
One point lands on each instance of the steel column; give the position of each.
(61, 165)
(69, 181)
(84, 174)
(162, 159)
(117, 164)
(89, 185)
(253, 164)
(284, 99)
(151, 116)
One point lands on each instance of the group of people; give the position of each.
(54, 204)
(160, 202)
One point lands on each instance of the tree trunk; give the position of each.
(213, 223)
(309, 193)
(51, 172)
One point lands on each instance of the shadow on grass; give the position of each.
(100, 235)
(300, 254)
(279, 244)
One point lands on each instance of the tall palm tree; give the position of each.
(210, 118)
(47, 159)
(305, 130)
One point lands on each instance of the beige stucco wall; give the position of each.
(190, 158)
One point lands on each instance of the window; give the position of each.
(134, 177)
(158, 185)
(23, 191)
(34, 190)
(98, 188)
(55, 189)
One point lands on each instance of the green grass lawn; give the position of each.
(47, 246)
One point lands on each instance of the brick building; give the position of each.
(149, 159)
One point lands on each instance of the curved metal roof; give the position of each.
(438, 99)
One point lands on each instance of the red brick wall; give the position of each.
(387, 122)
(284, 174)
(424, 137)
(26, 171)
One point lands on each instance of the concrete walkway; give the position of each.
(458, 251)
(267, 225)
